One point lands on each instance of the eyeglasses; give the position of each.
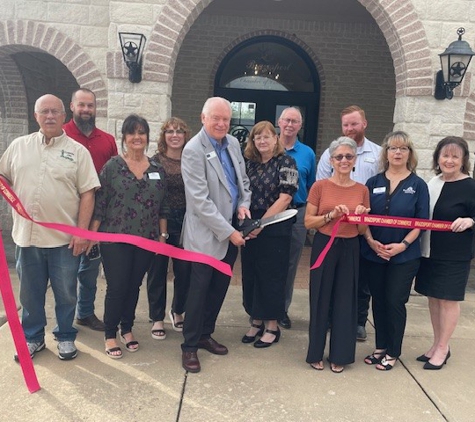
(402, 149)
(174, 132)
(340, 157)
(262, 138)
(291, 121)
(47, 111)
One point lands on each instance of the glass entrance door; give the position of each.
(261, 77)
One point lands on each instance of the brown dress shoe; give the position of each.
(212, 346)
(190, 362)
(92, 322)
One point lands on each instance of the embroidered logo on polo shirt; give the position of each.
(68, 155)
(409, 190)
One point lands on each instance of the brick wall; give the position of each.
(354, 58)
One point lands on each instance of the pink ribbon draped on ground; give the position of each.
(383, 221)
(6, 287)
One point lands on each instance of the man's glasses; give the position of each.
(174, 132)
(402, 149)
(47, 111)
(291, 121)
(340, 157)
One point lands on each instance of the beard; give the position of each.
(85, 125)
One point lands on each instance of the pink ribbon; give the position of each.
(382, 221)
(16, 329)
(5, 282)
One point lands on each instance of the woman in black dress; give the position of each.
(444, 271)
(274, 180)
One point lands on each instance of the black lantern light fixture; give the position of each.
(454, 61)
(132, 46)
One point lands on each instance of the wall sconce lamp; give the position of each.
(132, 46)
(454, 62)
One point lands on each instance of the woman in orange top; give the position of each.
(334, 284)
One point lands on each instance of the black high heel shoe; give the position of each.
(261, 344)
(431, 366)
(423, 358)
(251, 339)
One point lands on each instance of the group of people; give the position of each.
(387, 259)
(196, 193)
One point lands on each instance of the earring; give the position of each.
(354, 169)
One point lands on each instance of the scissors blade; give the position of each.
(277, 218)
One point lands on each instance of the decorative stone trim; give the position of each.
(17, 36)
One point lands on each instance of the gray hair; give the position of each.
(43, 97)
(211, 101)
(285, 110)
(342, 141)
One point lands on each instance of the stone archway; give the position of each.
(20, 35)
(398, 22)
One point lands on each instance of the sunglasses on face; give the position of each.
(340, 157)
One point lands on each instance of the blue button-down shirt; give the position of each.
(229, 171)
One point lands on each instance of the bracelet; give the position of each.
(327, 218)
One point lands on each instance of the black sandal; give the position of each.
(385, 365)
(374, 358)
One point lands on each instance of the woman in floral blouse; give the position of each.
(265, 259)
(131, 200)
(173, 137)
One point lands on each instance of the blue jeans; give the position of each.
(87, 287)
(35, 266)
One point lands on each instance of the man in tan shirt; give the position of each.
(55, 179)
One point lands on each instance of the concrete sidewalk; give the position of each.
(248, 384)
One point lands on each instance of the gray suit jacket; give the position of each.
(209, 207)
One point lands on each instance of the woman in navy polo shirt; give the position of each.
(392, 255)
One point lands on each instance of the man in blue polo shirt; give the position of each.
(290, 122)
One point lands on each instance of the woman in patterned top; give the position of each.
(274, 180)
(174, 135)
(131, 200)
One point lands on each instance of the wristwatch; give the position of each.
(406, 243)
(165, 235)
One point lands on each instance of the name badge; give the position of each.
(211, 155)
(379, 190)
(369, 160)
(154, 176)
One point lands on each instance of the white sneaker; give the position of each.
(67, 350)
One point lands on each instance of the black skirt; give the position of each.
(442, 279)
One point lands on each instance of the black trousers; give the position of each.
(334, 284)
(157, 283)
(208, 288)
(265, 264)
(124, 266)
(364, 295)
(390, 286)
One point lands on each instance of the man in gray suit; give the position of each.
(217, 195)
